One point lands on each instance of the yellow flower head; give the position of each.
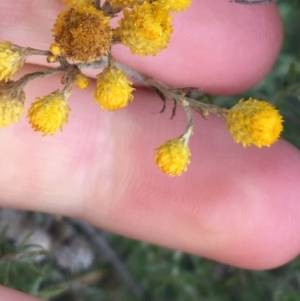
(146, 29)
(113, 89)
(82, 33)
(12, 59)
(175, 5)
(11, 103)
(123, 3)
(81, 81)
(172, 157)
(78, 2)
(254, 122)
(48, 113)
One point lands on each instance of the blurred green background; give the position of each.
(104, 266)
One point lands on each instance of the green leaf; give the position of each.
(33, 268)
(291, 75)
(52, 292)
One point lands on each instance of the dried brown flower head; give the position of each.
(82, 33)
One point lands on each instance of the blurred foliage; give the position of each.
(173, 275)
(164, 274)
(16, 260)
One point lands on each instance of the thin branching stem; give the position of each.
(98, 4)
(23, 81)
(186, 106)
(33, 51)
(94, 65)
(173, 94)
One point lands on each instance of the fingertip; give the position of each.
(13, 295)
(232, 205)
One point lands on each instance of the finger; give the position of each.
(233, 205)
(12, 295)
(222, 47)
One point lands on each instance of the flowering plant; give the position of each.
(83, 38)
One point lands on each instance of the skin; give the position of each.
(234, 205)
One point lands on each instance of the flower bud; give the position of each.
(145, 29)
(81, 81)
(48, 113)
(172, 157)
(12, 59)
(113, 89)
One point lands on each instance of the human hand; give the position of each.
(233, 205)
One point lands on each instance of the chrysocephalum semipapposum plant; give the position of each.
(83, 38)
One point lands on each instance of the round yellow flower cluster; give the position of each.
(173, 156)
(145, 29)
(12, 59)
(48, 113)
(254, 122)
(113, 89)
